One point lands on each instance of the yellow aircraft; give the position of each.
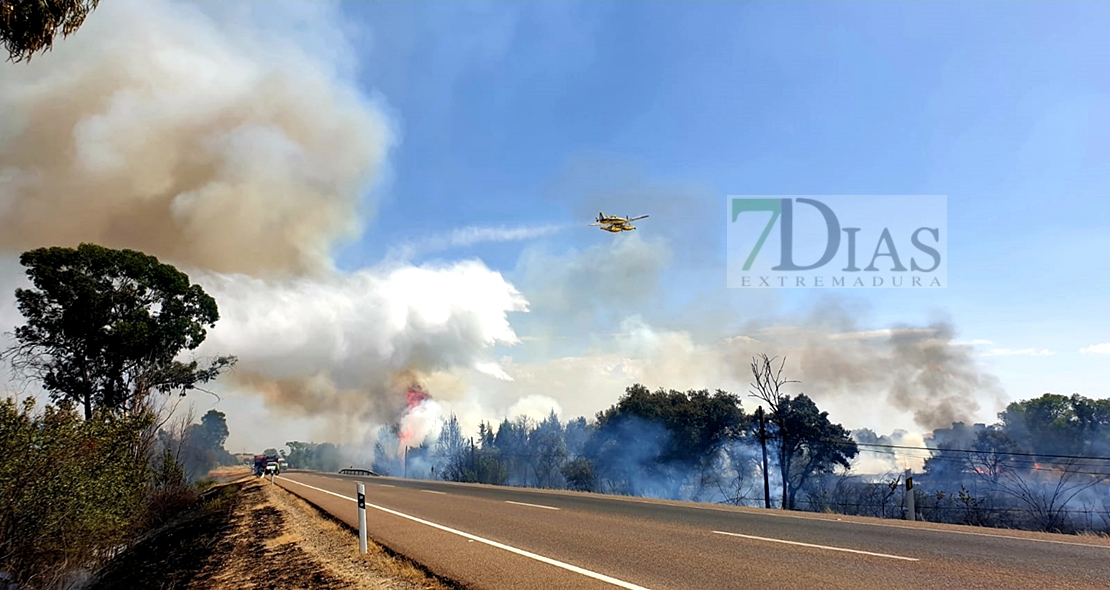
(614, 224)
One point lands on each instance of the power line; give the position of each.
(1025, 462)
(973, 451)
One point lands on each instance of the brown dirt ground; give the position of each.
(250, 535)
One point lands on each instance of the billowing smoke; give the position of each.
(240, 148)
(864, 378)
(235, 143)
(215, 144)
(348, 346)
(889, 454)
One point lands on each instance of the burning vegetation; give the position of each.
(1044, 466)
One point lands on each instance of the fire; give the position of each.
(415, 398)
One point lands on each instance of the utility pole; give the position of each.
(763, 443)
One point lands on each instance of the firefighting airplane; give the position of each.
(614, 224)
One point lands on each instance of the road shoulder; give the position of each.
(251, 535)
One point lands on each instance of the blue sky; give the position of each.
(521, 120)
(521, 114)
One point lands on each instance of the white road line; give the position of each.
(779, 514)
(910, 528)
(433, 492)
(818, 546)
(540, 558)
(532, 505)
(385, 485)
(811, 518)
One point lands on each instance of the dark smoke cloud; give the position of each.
(216, 145)
(936, 379)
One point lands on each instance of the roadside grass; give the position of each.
(250, 535)
(172, 555)
(339, 541)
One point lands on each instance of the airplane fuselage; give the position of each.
(615, 224)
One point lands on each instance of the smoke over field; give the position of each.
(237, 143)
(217, 144)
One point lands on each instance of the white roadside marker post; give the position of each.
(362, 518)
(911, 513)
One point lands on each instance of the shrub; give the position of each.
(73, 489)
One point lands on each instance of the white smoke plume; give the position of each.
(235, 143)
(349, 345)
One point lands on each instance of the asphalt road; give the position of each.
(521, 539)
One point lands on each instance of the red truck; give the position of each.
(263, 464)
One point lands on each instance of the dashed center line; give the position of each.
(818, 546)
(386, 485)
(433, 492)
(532, 505)
(472, 538)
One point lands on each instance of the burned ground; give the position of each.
(251, 535)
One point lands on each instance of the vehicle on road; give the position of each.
(264, 465)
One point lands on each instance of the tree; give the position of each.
(768, 388)
(579, 473)
(807, 442)
(300, 454)
(662, 438)
(812, 444)
(214, 426)
(992, 454)
(548, 450)
(479, 465)
(30, 26)
(948, 460)
(576, 435)
(449, 449)
(104, 327)
(328, 457)
(196, 447)
(1057, 424)
(511, 443)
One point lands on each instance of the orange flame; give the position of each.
(414, 397)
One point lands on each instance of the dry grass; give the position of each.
(228, 473)
(336, 544)
(252, 536)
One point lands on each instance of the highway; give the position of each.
(503, 538)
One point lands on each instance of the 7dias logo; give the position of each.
(840, 241)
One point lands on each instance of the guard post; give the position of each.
(911, 512)
(361, 518)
